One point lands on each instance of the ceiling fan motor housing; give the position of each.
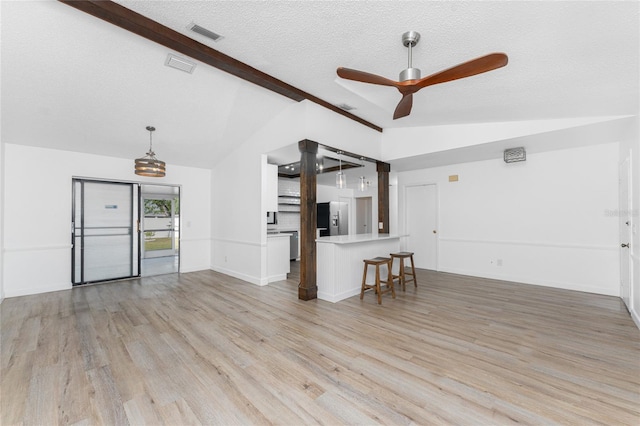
(410, 74)
(410, 39)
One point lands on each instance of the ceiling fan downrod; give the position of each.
(410, 39)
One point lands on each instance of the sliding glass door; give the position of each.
(160, 225)
(160, 229)
(123, 230)
(105, 240)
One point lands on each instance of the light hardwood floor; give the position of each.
(204, 348)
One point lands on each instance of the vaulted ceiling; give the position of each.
(72, 81)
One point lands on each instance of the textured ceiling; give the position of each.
(566, 58)
(72, 81)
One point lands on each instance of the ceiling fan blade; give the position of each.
(479, 65)
(404, 106)
(365, 77)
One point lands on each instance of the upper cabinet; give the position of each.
(271, 193)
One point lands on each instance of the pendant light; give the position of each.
(341, 179)
(149, 165)
(362, 181)
(362, 184)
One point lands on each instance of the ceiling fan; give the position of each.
(410, 81)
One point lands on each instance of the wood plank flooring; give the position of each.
(205, 348)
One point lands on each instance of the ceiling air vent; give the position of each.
(179, 63)
(205, 32)
(345, 107)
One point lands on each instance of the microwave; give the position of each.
(271, 218)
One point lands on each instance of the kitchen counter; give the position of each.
(277, 235)
(340, 262)
(356, 238)
(277, 229)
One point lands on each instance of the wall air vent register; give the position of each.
(513, 155)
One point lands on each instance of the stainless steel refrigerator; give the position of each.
(333, 218)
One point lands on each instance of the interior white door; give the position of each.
(624, 215)
(363, 215)
(421, 218)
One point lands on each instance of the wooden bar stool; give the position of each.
(402, 275)
(377, 261)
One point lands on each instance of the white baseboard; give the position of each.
(275, 278)
(337, 297)
(526, 280)
(191, 268)
(635, 317)
(244, 277)
(38, 290)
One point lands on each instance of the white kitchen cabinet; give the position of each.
(277, 257)
(271, 187)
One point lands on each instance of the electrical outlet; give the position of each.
(380, 225)
(225, 259)
(499, 262)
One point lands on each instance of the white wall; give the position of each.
(1, 198)
(326, 193)
(37, 213)
(328, 128)
(1, 221)
(238, 225)
(630, 146)
(543, 135)
(238, 216)
(545, 218)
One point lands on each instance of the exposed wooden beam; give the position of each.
(141, 25)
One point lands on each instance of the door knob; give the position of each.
(624, 245)
(434, 231)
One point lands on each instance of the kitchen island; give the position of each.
(340, 262)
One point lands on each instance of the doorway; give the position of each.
(421, 224)
(364, 215)
(160, 230)
(104, 240)
(123, 230)
(624, 220)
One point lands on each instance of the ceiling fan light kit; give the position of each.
(410, 81)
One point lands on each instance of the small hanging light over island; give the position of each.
(341, 179)
(363, 183)
(149, 165)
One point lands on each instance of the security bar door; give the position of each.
(105, 238)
